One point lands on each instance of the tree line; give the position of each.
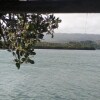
(81, 45)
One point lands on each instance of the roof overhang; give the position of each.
(51, 6)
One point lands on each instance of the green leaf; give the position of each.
(31, 61)
(21, 53)
(17, 52)
(26, 55)
(40, 36)
(13, 53)
(16, 60)
(18, 65)
(54, 26)
(9, 50)
(32, 53)
(23, 59)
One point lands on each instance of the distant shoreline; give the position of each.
(57, 49)
(65, 49)
(73, 45)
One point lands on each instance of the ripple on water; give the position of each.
(56, 75)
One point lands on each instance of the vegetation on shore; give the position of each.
(72, 45)
(82, 45)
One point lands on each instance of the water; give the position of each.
(56, 75)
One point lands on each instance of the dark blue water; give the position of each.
(56, 75)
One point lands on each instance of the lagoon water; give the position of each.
(56, 75)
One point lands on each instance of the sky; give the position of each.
(88, 23)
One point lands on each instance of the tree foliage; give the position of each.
(71, 45)
(20, 32)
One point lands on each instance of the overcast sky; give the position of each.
(88, 23)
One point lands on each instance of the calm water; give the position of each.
(56, 75)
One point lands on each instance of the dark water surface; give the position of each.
(56, 75)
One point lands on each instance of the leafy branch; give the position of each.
(20, 32)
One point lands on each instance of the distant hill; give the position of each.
(64, 37)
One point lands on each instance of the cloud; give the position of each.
(79, 23)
